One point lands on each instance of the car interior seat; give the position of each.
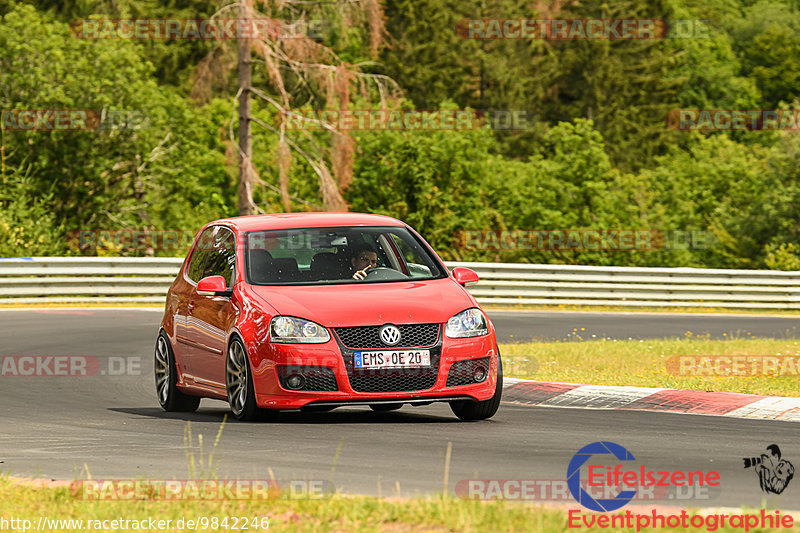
(286, 269)
(326, 266)
(262, 267)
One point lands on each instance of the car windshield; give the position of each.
(313, 256)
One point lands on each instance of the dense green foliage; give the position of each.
(596, 152)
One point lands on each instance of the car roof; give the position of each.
(306, 220)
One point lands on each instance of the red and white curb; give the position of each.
(733, 404)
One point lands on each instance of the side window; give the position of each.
(222, 261)
(413, 258)
(201, 251)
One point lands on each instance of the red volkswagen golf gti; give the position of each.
(315, 311)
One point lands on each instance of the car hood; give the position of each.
(369, 303)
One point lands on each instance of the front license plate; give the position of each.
(392, 359)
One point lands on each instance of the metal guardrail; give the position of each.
(146, 280)
(87, 279)
(517, 283)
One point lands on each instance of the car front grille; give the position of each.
(367, 337)
(401, 380)
(426, 336)
(461, 372)
(317, 378)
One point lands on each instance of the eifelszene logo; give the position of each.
(774, 473)
(574, 477)
(606, 476)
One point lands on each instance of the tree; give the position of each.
(722, 187)
(434, 182)
(765, 39)
(431, 55)
(300, 70)
(113, 175)
(625, 87)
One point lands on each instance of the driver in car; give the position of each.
(364, 258)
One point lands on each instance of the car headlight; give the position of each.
(290, 330)
(469, 323)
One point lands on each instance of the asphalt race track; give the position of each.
(523, 326)
(57, 427)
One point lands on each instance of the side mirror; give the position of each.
(213, 286)
(465, 276)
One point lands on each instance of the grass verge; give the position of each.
(351, 514)
(645, 363)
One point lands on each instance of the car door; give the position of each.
(185, 347)
(211, 317)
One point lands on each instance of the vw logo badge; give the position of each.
(390, 335)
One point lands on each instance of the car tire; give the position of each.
(472, 410)
(385, 407)
(164, 368)
(239, 384)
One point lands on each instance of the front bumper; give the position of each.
(266, 358)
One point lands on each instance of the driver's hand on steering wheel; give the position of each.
(361, 274)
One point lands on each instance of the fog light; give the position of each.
(295, 382)
(479, 373)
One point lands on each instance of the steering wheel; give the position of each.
(384, 273)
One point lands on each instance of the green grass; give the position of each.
(339, 513)
(644, 363)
